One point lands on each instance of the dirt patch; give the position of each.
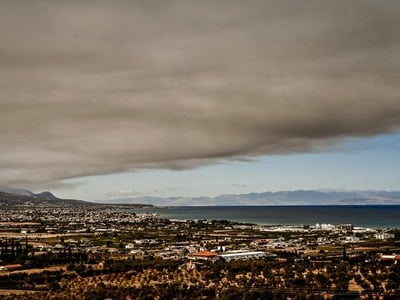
(39, 270)
(4, 292)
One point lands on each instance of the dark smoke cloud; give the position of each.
(96, 87)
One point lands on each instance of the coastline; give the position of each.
(368, 216)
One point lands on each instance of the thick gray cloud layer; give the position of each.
(93, 87)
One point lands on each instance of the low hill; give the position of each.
(14, 200)
(11, 197)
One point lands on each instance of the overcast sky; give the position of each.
(198, 97)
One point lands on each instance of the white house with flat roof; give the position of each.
(243, 255)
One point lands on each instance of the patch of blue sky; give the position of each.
(355, 164)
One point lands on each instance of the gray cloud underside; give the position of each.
(93, 87)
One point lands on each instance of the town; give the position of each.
(120, 252)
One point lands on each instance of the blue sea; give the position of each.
(370, 216)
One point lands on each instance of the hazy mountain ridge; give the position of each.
(17, 200)
(14, 197)
(299, 197)
(15, 191)
(25, 192)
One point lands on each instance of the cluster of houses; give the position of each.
(99, 231)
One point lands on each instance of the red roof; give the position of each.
(205, 254)
(390, 257)
(261, 241)
(13, 266)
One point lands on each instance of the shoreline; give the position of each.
(366, 216)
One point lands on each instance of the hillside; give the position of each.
(14, 200)
(14, 197)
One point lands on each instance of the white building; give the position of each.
(243, 255)
(323, 226)
(384, 236)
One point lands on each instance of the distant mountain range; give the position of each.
(299, 197)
